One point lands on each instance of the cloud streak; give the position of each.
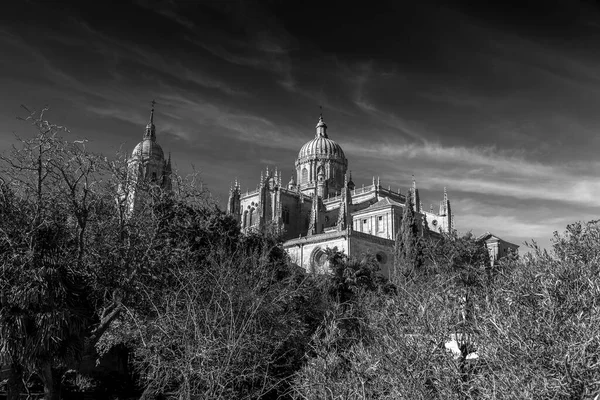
(490, 171)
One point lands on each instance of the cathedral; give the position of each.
(321, 207)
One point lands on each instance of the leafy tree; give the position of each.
(350, 276)
(534, 329)
(408, 248)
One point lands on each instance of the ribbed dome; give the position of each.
(321, 146)
(147, 148)
(319, 161)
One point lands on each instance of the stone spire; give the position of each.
(344, 220)
(292, 183)
(150, 128)
(350, 183)
(448, 212)
(233, 203)
(445, 206)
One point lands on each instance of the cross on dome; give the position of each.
(152, 112)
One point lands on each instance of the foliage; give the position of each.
(222, 315)
(543, 324)
(345, 325)
(208, 312)
(408, 248)
(534, 328)
(49, 201)
(350, 276)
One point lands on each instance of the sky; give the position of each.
(496, 101)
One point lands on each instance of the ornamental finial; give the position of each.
(152, 112)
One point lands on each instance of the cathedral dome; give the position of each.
(321, 146)
(321, 160)
(147, 149)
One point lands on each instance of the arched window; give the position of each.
(252, 218)
(304, 175)
(245, 220)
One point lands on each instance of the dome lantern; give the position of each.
(321, 128)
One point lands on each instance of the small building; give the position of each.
(497, 247)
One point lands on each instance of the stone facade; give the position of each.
(320, 208)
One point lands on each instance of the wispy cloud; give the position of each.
(129, 116)
(509, 226)
(149, 59)
(392, 120)
(490, 171)
(262, 55)
(195, 114)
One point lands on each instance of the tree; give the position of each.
(408, 249)
(57, 215)
(45, 305)
(350, 276)
(226, 315)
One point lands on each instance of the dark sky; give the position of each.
(498, 102)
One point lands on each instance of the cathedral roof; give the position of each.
(385, 202)
(488, 235)
(146, 149)
(321, 145)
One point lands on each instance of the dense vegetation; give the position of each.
(202, 311)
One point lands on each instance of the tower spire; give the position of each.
(150, 128)
(152, 112)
